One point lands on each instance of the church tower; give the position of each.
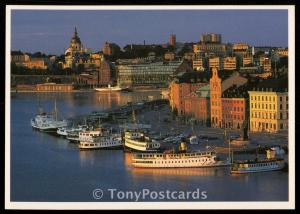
(75, 43)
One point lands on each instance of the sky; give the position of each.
(50, 31)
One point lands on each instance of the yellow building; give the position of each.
(265, 63)
(214, 62)
(37, 63)
(198, 64)
(268, 110)
(229, 63)
(247, 60)
(282, 51)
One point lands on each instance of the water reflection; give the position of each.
(100, 100)
(87, 157)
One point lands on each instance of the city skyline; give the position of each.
(50, 31)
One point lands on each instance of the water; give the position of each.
(48, 168)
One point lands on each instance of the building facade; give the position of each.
(37, 63)
(53, 87)
(198, 64)
(148, 73)
(268, 110)
(229, 63)
(169, 56)
(219, 108)
(182, 86)
(172, 40)
(107, 50)
(211, 38)
(197, 105)
(214, 62)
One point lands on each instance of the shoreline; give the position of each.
(87, 90)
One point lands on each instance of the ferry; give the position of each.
(89, 135)
(271, 163)
(64, 131)
(73, 136)
(102, 142)
(178, 160)
(137, 141)
(48, 122)
(111, 89)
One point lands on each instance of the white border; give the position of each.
(156, 205)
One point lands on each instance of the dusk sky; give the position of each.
(50, 31)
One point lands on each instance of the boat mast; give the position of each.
(55, 110)
(40, 110)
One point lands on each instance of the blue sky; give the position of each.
(50, 31)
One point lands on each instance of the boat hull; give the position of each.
(115, 147)
(254, 171)
(216, 164)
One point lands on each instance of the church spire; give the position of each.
(75, 33)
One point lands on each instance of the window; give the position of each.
(280, 106)
(280, 98)
(287, 106)
(281, 126)
(281, 116)
(262, 98)
(287, 98)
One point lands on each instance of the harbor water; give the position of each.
(45, 167)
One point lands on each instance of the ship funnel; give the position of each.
(182, 147)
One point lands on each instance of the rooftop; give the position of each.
(192, 77)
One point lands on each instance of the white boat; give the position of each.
(102, 142)
(65, 131)
(242, 167)
(178, 160)
(174, 139)
(89, 135)
(48, 122)
(110, 88)
(270, 163)
(137, 141)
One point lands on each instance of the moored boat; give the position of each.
(113, 141)
(48, 122)
(178, 160)
(137, 141)
(66, 131)
(110, 88)
(270, 163)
